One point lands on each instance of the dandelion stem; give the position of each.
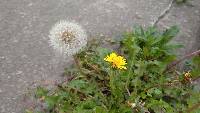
(112, 79)
(127, 81)
(182, 59)
(76, 60)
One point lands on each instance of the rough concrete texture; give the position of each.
(25, 55)
(187, 18)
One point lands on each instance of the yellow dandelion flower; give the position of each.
(116, 61)
(109, 58)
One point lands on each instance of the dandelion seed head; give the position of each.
(67, 38)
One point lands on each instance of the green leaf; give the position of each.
(51, 101)
(167, 36)
(102, 52)
(99, 109)
(28, 111)
(79, 84)
(41, 92)
(157, 91)
(160, 106)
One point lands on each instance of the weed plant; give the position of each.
(147, 82)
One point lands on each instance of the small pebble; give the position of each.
(197, 11)
(19, 72)
(138, 16)
(2, 57)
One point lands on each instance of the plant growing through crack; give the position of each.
(141, 76)
(134, 78)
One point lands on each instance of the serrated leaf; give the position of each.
(51, 101)
(41, 92)
(77, 84)
(157, 91)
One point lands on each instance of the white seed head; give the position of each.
(67, 38)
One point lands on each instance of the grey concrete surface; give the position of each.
(25, 55)
(187, 18)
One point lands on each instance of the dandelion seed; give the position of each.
(67, 38)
